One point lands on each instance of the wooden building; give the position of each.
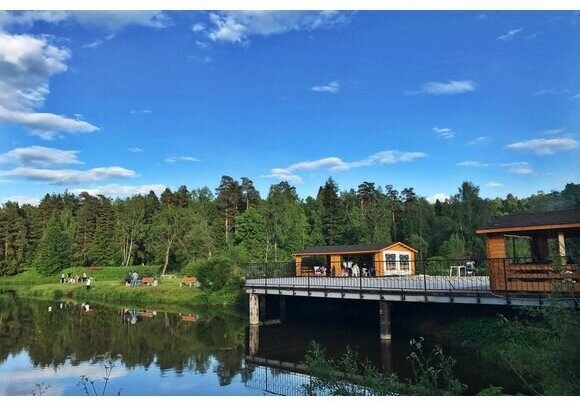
(534, 252)
(382, 259)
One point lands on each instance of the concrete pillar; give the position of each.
(254, 309)
(386, 356)
(282, 308)
(385, 321)
(254, 339)
(562, 244)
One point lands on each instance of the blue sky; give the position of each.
(120, 103)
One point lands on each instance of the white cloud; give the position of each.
(140, 111)
(40, 156)
(26, 65)
(473, 164)
(67, 176)
(98, 42)
(554, 131)
(509, 35)
(239, 26)
(22, 199)
(441, 197)
(518, 167)
(444, 133)
(283, 174)
(45, 125)
(550, 91)
(444, 88)
(198, 27)
(135, 150)
(577, 96)
(116, 190)
(479, 140)
(332, 163)
(512, 167)
(337, 164)
(331, 88)
(545, 146)
(494, 184)
(110, 20)
(172, 159)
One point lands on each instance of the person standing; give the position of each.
(84, 276)
(62, 278)
(89, 283)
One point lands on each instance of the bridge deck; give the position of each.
(418, 288)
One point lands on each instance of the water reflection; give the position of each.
(58, 346)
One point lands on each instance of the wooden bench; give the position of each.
(188, 281)
(189, 317)
(148, 280)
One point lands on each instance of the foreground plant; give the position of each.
(89, 385)
(347, 375)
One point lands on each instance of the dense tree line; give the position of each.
(176, 228)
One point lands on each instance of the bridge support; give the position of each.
(254, 309)
(386, 356)
(254, 339)
(385, 321)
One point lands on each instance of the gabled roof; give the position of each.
(534, 221)
(350, 249)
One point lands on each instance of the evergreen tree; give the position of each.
(54, 251)
(330, 211)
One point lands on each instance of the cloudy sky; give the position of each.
(124, 102)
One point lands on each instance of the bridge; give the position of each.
(445, 282)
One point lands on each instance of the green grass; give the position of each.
(108, 287)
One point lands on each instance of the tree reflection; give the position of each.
(70, 335)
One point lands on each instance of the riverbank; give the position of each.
(108, 287)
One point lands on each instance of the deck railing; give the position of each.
(502, 275)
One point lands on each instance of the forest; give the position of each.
(177, 228)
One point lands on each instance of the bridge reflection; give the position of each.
(273, 375)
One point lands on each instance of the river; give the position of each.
(45, 347)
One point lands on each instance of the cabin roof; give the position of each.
(569, 218)
(349, 249)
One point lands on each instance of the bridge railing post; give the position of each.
(424, 276)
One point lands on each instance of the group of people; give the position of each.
(348, 268)
(77, 279)
(131, 278)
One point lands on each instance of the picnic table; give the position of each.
(148, 281)
(188, 281)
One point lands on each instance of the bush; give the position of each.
(216, 273)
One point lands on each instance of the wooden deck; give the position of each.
(417, 288)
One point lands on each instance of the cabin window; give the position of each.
(404, 261)
(391, 260)
(397, 260)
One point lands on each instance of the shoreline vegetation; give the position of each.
(108, 287)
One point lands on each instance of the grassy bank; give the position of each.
(108, 287)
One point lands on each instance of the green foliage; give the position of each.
(216, 273)
(539, 346)
(183, 226)
(432, 374)
(54, 251)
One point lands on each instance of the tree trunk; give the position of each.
(167, 256)
(129, 252)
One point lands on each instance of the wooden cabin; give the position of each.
(379, 259)
(534, 252)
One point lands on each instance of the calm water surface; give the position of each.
(193, 353)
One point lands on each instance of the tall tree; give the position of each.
(228, 200)
(330, 211)
(54, 251)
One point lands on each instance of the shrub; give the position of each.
(216, 273)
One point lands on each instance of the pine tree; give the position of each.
(54, 251)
